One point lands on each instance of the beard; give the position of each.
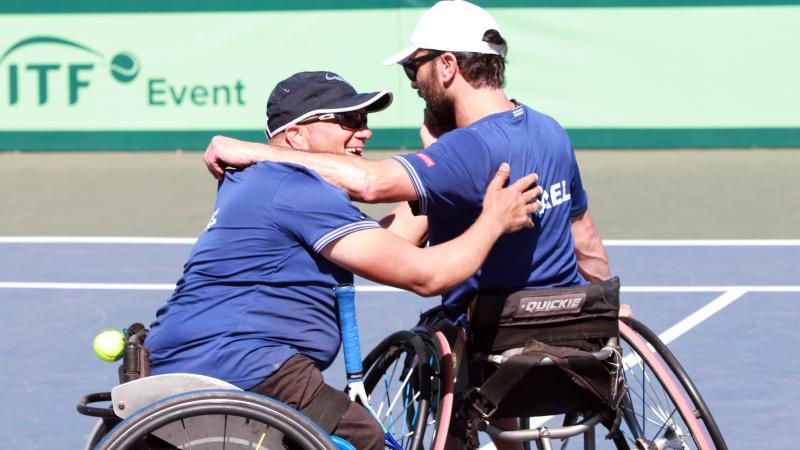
(440, 115)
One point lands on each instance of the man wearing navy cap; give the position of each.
(255, 306)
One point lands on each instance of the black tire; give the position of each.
(216, 419)
(397, 379)
(100, 429)
(662, 402)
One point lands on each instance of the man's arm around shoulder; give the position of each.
(370, 181)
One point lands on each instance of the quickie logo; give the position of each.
(550, 305)
(124, 67)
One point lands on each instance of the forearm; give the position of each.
(364, 180)
(589, 250)
(383, 257)
(402, 222)
(350, 174)
(444, 266)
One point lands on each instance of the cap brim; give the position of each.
(400, 56)
(372, 102)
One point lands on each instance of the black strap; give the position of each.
(486, 399)
(327, 408)
(505, 378)
(582, 367)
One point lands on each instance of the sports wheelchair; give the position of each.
(186, 411)
(571, 352)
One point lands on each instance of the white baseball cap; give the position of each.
(453, 26)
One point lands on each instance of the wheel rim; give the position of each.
(394, 384)
(656, 414)
(214, 423)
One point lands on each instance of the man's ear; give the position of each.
(296, 137)
(449, 68)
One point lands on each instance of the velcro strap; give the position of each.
(327, 408)
(505, 378)
(583, 369)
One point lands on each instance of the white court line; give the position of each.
(379, 288)
(94, 240)
(701, 314)
(607, 242)
(701, 242)
(89, 286)
(679, 289)
(675, 331)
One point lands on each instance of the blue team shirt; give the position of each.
(255, 290)
(450, 178)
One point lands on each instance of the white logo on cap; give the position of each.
(330, 77)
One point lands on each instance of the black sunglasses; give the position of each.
(412, 65)
(354, 120)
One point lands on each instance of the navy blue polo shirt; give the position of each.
(450, 178)
(255, 289)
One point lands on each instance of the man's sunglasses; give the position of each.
(354, 120)
(412, 65)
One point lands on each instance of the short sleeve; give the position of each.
(438, 173)
(316, 212)
(580, 198)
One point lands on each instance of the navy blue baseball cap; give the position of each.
(307, 94)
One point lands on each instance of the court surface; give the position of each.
(727, 308)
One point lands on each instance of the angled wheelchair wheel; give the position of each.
(397, 378)
(216, 420)
(100, 429)
(663, 408)
(440, 360)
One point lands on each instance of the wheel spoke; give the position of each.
(225, 433)
(659, 401)
(261, 440)
(186, 433)
(395, 372)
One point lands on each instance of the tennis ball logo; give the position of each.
(125, 67)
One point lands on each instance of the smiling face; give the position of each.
(325, 136)
(332, 137)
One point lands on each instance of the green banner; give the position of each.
(614, 76)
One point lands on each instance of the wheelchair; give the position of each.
(188, 411)
(625, 380)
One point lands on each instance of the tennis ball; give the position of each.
(109, 344)
(124, 67)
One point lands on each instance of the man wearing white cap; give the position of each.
(456, 62)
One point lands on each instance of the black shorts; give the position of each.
(299, 384)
